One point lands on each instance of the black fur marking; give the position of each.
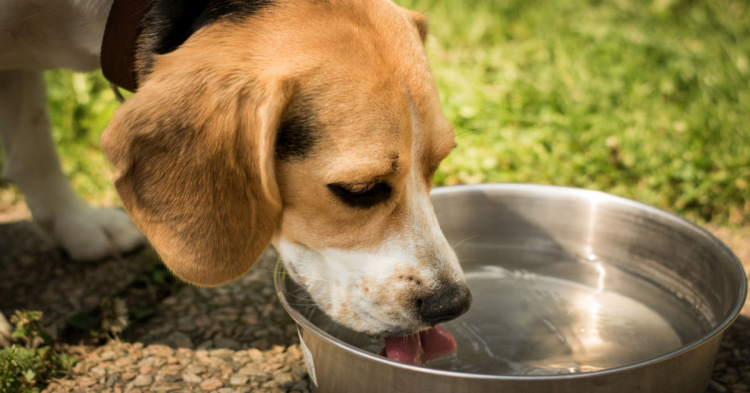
(298, 132)
(169, 23)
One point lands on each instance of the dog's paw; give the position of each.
(89, 234)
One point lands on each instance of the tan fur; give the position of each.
(193, 148)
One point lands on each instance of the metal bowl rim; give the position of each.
(537, 188)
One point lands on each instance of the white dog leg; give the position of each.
(6, 331)
(31, 163)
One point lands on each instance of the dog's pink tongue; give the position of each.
(421, 347)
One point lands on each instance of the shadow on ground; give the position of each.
(37, 276)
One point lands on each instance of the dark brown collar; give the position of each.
(119, 43)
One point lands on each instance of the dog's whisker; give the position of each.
(464, 240)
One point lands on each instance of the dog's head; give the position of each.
(314, 125)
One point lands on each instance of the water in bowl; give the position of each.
(547, 313)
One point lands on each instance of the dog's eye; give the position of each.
(361, 195)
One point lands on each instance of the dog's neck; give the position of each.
(119, 44)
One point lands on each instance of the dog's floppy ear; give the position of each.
(193, 152)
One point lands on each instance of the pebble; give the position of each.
(128, 375)
(238, 379)
(246, 344)
(143, 380)
(284, 379)
(211, 384)
(192, 378)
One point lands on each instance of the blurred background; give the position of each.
(649, 100)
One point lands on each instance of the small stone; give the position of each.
(226, 390)
(240, 358)
(226, 371)
(147, 370)
(202, 321)
(284, 379)
(192, 378)
(108, 355)
(172, 369)
(300, 371)
(184, 353)
(147, 362)
(212, 362)
(127, 376)
(221, 353)
(206, 344)
(227, 343)
(255, 354)
(143, 380)
(252, 371)
(97, 372)
(170, 378)
(158, 362)
(180, 340)
(110, 382)
(238, 379)
(159, 350)
(294, 352)
(211, 384)
(272, 366)
(124, 361)
(164, 387)
(250, 319)
(195, 369)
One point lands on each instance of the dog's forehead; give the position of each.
(369, 133)
(364, 72)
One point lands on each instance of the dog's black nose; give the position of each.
(449, 302)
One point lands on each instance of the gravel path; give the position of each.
(235, 338)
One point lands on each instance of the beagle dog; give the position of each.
(312, 125)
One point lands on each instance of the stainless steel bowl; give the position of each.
(574, 291)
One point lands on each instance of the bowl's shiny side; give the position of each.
(640, 239)
(637, 238)
(342, 369)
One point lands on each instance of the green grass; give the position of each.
(645, 99)
(28, 365)
(648, 100)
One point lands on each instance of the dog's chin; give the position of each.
(364, 321)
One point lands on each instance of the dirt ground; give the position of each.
(236, 338)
